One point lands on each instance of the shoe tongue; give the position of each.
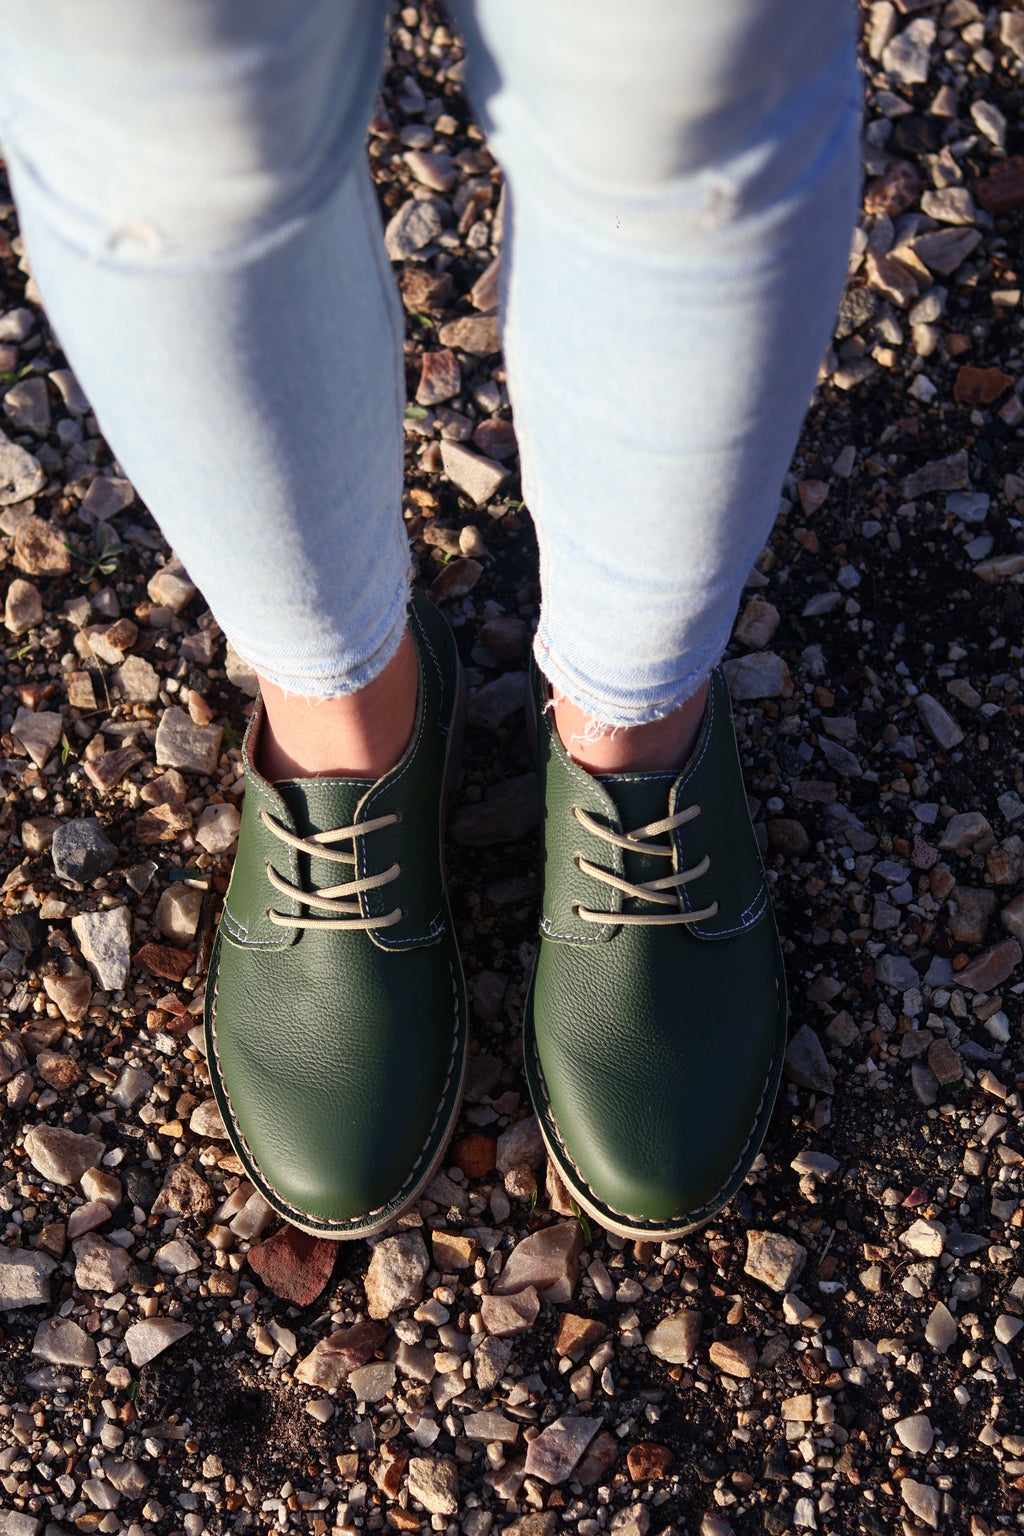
(321, 805)
(640, 798)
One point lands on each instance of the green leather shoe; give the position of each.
(656, 1022)
(335, 1006)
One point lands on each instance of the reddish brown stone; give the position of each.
(979, 386)
(59, 1072)
(505, 636)
(106, 771)
(34, 694)
(40, 548)
(602, 1454)
(923, 856)
(389, 1470)
(162, 960)
(1003, 187)
(577, 1334)
(162, 824)
(648, 1460)
(424, 293)
(896, 190)
(496, 438)
(401, 1519)
(475, 1154)
(122, 634)
(815, 792)
(296, 1267)
(440, 377)
(788, 838)
(945, 1062)
(992, 968)
(457, 578)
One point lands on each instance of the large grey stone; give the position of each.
(806, 1063)
(81, 850)
(476, 476)
(546, 1260)
(916, 1433)
(27, 406)
(100, 1266)
(774, 1259)
(21, 474)
(59, 1155)
(674, 1339)
(14, 1523)
(922, 1500)
(63, 1342)
(38, 731)
(906, 57)
(395, 1277)
(181, 743)
(520, 1143)
(152, 1337)
(554, 1454)
(23, 607)
(415, 224)
(434, 1483)
(896, 971)
(939, 722)
(492, 704)
(24, 1278)
(171, 586)
(507, 812)
(105, 941)
(760, 675)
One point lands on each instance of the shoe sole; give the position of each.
(379, 1220)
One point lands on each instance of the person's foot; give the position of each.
(360, 734)
(336, 1020)
(656, 1022)
(651, 747)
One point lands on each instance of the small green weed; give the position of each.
(103, 562)
(582, 1219)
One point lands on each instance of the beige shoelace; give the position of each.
(665, 891)
(341, 902)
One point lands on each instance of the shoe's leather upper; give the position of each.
(655, 1051)
(337, 1054)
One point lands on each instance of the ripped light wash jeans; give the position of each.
(192, 190)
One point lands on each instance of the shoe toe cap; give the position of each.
(657, 1118)
(338, 1117)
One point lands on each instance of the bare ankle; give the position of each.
(656, 746)
(357, 735)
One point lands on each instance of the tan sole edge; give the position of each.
(638, 1234)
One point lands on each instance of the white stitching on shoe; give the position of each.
(546, 923)
(760, 899)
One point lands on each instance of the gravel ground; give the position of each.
(839, 1351)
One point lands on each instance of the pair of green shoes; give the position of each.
(336, 1017)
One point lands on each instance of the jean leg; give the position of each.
(683, 185)
(192, 192)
